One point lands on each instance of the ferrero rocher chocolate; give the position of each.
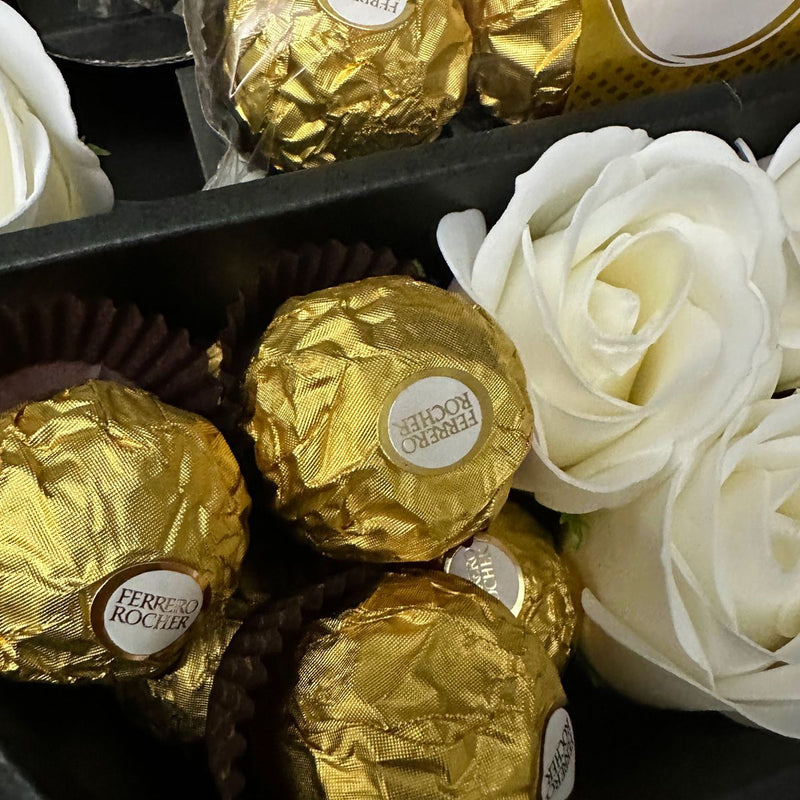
(524, 54)
(317, 81)
(122, 520)
(515, 561)
(428, 689)
(175, 705)
(537, 57)
(390, 415)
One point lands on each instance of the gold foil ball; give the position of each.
(515, 561)
(122, 520)
(313, 87)
(390, 415)
(525, 51)
(428, 689)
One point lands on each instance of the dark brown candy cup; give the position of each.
(51, 344)
(257, 672)
(291, 273)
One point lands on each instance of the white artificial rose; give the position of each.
(692, 597)
(784, 169)
(641, 282)
(46, 173)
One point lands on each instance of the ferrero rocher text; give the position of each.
(515, 561)
(166, 613)
(123, 518)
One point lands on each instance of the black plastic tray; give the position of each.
(175, 249)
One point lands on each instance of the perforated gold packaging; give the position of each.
(316, 82)
(539, 57)
(391, 417)
(428, 689)
(515, 561)
(122, 521)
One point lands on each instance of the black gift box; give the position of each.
(174, 249)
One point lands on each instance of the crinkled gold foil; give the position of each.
(549, 603)
(97, 479)
(329, 369)
(524, 54)
(175, 705)
(313, 89)
(428, 689)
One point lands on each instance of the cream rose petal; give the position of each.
(14, 189)
(693, 589)
(779, 684)
(727, 652)
(78, 186)
(628, 664)
(563, 174)
(625, 562)
(632, 666)
(28, 157)
(624, 363)
(784, 169)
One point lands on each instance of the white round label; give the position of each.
(486, 563)
(434, 422)
(368, 13)
(558, 757)
(148, 612)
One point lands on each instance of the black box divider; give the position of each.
(190, 251)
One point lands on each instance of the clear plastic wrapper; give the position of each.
(117, 8)
(300, 83)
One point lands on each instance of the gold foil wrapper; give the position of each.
(391, 417)
(428, 689)
(314, 89)
(524, 54)
(107, 492)
(527, 568)
(175, 705)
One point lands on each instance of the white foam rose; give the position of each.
(46, 173)
(642, 282)
(692, 595)
(784, 169)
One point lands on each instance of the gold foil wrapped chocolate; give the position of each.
(175, 705)
(538, 57)
(391, 417)
(524, 54)
(317, 82)
(428, 689)
(515, 561)
(122, 520)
